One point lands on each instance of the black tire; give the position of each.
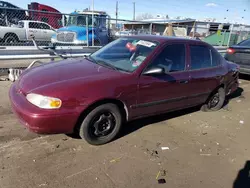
(215, 101)
(106, 115)
(11, 39)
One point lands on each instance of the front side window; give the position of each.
(125, 54)
(21, 24)
(172, 58)
(200, 57)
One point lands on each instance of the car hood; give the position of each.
(58, 72)
(76, 29)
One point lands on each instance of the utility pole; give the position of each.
(93, 40)
(116, 14)
(134, 11)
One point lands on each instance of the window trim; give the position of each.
(210, 50)
(162, 49)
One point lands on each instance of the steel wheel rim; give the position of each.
(215, 99)
(102, 124)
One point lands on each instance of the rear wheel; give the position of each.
(101, 125)
(11, 39)
(215, 101)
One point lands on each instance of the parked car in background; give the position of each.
(240, 54)
(25, 28)
(130, 78)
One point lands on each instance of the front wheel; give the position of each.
(215, 101)
(101, 125)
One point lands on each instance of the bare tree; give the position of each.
(144, 16)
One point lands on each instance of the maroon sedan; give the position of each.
(130, 78)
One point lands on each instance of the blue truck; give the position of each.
(84, 28)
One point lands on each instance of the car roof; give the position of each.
(163, 39)
(33, 21)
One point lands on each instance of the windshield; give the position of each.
(80, 20)
(125, 54)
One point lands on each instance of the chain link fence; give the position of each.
(87, 28)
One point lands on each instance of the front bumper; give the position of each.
(40, 120)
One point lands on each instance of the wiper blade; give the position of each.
(103, 63)
(91, 59)
(107, 64)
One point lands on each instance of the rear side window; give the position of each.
(216, 58)
(200, 57)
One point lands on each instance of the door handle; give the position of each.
(183, 81)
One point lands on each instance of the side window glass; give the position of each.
(200, 57)
(216, 58)
(172, 58)
(34, 25)
(44, 26)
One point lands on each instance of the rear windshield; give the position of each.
(245, 43)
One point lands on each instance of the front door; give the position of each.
(34, 29)
(168, 91)
(47, 32)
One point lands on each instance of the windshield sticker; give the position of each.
(145, 43)
(136, 63)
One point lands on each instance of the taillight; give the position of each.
(230, 51)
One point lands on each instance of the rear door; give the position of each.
(205, 70)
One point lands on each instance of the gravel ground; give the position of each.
(200, 150)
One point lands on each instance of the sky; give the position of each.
(222, 10)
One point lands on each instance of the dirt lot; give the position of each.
(204, 150)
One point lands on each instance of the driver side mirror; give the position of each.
(154, 71)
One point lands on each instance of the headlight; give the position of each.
(44, 101)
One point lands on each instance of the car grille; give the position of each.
(66, 36)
